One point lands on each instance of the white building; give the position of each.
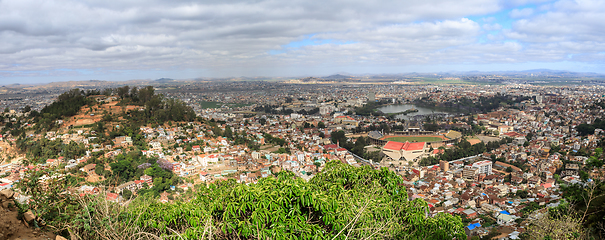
(484, 167)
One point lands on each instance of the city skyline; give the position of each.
(84, 40)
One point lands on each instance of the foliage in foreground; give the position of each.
(341, 202)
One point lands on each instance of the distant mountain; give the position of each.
(165, 80)
(337, 76)
(530, 74)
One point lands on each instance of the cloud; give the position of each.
(580, 21)
(223, 38)
(492, 27)
(521, 13)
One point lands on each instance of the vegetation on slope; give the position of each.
(67, 104)
(340, 202)
(157, 110)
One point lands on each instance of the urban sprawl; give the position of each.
(495, 163)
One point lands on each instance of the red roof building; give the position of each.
(112, 197)
(404, 151)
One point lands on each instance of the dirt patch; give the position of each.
(11, 228)
(92, 115)
(94, 178)
(473, 141)
(271, 149)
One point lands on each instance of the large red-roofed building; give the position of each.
(404, 151)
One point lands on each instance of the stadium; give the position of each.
(432, 139)
(408, 147)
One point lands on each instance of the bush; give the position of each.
(340, 202)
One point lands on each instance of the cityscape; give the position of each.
(331, 120)
(496, 155)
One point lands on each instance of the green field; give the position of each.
(414, 139)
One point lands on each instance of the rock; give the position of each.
(7, 193)
(60, 238)
(29, 216)
(5, 204)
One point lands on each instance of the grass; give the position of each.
(414, 139)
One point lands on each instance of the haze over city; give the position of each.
(84, 40)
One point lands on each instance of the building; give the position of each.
(113, 197)
(470, 173)
(404, 151)
(123, 141)
(444, 165)
(503, 219)
(326, 110)
(484, 167)
(131, 185)
(90, 168)
(148, 179)
(346, 120)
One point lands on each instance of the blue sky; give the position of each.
(61, 40)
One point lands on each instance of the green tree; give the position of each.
(338, 136)
(99, 169)
(228, 133)
(126, 194)
(123, 91)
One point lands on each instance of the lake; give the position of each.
(402, 107)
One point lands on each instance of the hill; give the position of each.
(339, 203)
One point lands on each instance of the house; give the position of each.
(90, 168)
(123, 141)
(52, 162)
(339, 152)
(148, 179)
(139, 183)
(131, 185)
(503, 218)
(204, 160)
(470, 213)
(204, 176)
(113, 197)
(156, 145)
(4, 186)
(472, 228)
(85, 189)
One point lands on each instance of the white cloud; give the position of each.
(521, 13)
(236, 37)
(492, 27)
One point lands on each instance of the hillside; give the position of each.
(341, 202)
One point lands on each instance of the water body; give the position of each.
(422, 112)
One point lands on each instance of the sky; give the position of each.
(67, 40)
